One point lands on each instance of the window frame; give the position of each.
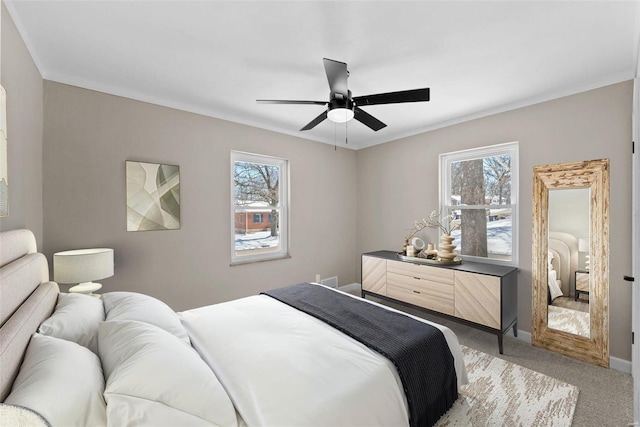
(283, 200)
(446, 159)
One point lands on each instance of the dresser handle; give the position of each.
(416, 292)
(417, 278)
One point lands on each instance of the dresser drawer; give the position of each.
(478, 299)
(435, 274)
(374, 275)
(421, 292)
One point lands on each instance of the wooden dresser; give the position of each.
(480, 295)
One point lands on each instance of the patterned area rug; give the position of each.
(501, 393)
(572, 321)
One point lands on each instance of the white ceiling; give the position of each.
(217, 57)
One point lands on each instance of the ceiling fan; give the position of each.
(342, 107)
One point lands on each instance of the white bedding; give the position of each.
(256, 362)
(283, 367)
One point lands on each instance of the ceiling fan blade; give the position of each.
(367, 119)
(413, 95)
(286, 101)
(336, 75)
(313, 123)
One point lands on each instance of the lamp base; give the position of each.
(87, 288)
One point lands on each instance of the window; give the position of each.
(479, 188)
(259, 187)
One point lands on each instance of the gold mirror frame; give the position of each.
(593, 175)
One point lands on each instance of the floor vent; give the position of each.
(331, 282)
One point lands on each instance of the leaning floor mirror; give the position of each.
(570, 272)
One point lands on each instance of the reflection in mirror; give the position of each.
(568, 277)
(557, 229)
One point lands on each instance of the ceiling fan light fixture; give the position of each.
(340, 115)
(342, 107)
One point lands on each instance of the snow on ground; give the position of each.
(498, 238)
(259, 240)
(499, 235)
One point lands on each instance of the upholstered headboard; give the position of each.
(564, 247)
(27, 298)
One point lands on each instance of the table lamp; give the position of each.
(82, 266)
(584, 246)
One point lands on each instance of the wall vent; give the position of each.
(331, 282)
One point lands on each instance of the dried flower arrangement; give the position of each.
(446, 224)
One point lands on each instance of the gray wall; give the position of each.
(89, 136)
(398, 181)
(336, 212)
(24, 86)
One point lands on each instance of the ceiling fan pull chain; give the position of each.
(335, 136)
(346, 133)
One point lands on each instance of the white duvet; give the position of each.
(282, 367)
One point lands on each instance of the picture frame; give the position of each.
(4, 160)
(153, 196)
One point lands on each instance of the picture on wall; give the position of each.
(4, 172)
(153, 196)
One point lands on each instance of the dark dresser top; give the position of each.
(468, 266)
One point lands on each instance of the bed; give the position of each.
(565, 313)
(563, 259)
(128, 359)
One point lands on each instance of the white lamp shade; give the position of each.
(583, 244)
(82, 265)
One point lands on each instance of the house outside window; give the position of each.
(479, 189)
(259, 189)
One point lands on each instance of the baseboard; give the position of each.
(522, 335)
(620, 365)
(614, 363)
(350, 287)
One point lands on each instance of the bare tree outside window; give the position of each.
(258, 183)
(259, 207)
(473, 225)
(498, 172)
(479, 186)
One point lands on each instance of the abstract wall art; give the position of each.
(153, 196)
(4, 173)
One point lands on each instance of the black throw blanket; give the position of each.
(419, 351)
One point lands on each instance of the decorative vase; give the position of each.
(445, 250)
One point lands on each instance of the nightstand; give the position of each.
(582, 283)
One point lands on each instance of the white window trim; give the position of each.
(283, 164)
(475, 153)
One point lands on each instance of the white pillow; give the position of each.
(62, 381)
(144, 308)
(76, 319)
(154, 379)
(554, 289)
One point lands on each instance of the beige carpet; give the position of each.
(501, 393)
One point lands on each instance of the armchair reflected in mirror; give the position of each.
(570, 260)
